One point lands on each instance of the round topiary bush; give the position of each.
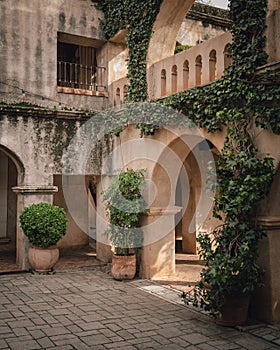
(44, 224)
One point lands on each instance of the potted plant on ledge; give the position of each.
(44, 225)
(124, 205)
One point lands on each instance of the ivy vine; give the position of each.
(247, 95)
(138, 18)
(243, 91)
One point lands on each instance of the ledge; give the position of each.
(74, 91)
(14, 110)
(30, 189)
(164, 211)
(119, 37)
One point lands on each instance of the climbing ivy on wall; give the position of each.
(248, 95)
(243, 91)
(138, 18)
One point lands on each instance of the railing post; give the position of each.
(81, 76)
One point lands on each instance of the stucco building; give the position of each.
(57, 74)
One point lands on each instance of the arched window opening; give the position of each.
(186, 71)
(198, 70)
(212, 65)
(174, 79)
(227, 58)
(163, 82)
(118, 97)
(125, 91)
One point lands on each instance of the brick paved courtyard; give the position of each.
(86, 309)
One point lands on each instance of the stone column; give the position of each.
(158, 252)
(266, 305)
(27, 195)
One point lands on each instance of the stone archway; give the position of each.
(188, 196)
(165, 30)
(11, 171)
(183, 161)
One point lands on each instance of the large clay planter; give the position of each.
(42, 260)
(123, 267)
(234, 311)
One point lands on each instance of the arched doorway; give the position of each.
(8, 211)
(179, 202)
(190, 190)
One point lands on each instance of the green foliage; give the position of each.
(124, 205)
(230, 266)
(242, 91)
(241, 98)
(148, 116)
(243, 178)
(244, 97)
(44, 224)
(138, 17)
(180, 48)
(230, 253)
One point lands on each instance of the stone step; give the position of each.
(182, 258)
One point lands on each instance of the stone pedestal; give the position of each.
(27, 195)
(158, 252)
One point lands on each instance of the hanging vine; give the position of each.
(242, 90)
(248, 95)
(138, 18)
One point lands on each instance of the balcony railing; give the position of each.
(81, 76)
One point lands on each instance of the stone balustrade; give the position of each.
(196, 66)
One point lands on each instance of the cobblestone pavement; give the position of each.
(86, 309)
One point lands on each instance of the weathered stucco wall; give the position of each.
(28, 56)
(273, 33)
(193, 32)
(39, 139)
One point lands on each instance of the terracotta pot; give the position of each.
(42, 260)
(234, 311)
(123, 267)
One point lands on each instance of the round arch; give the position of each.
(165, 29)
(16, 160)
(11, 175)
(178, 197)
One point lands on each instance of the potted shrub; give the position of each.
(231, 273)
(124, 205)
(44, 225)
(230, 253)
